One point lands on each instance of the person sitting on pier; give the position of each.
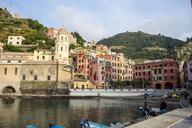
(84, 123)
(163, 106)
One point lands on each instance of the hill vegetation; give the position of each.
(32, 30)
(140, 45)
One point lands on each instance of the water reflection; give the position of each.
(66, 112)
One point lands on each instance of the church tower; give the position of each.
(62, 47)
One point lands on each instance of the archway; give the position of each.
(168, 85)
(158, 86)
(8, 89)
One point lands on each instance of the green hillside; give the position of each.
(32, 30)
(140, 45)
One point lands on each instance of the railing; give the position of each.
(110, 90)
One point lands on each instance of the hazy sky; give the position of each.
(96, 19)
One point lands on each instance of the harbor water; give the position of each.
(68, 112)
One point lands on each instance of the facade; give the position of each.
(53, 32)
(100, 71)
(83, 84)
(187, 67)
(62, 47)
(30, 74)
(122, 68)
(82, 63)
(44, 55)
(161, 74)
(15, 40)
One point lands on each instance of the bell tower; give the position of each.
(62, 47)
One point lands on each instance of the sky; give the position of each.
(97, 19)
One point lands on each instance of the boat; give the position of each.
(112, 125)
(95, 125)
(35, 126)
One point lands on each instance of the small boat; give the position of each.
(113, 125)
(35, 126)
(32, 126)
(95, 125)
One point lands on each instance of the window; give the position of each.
(171, 70)
(35, 77)
(24, 77)
(160, 78)
(19, 61)
(8, 61)
(155, 71)
(144, 73)
(165, 78)
(143, 67)
(148, 67)
(172, 77)
(149, 79)
(48, 77)
(191, 70)
(159, 71)
(11, 38)
(165, 65)
(61, 48)
(18, 38)
(160, 65)
(171, 65)
(43, 57)
(37, 57)
(165, 71)
(15, 71)
(5, 71)
(52, 57)
(149, 73)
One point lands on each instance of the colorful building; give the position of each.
(82, 63)
(162, 74)
(187, 67)
(100, 71)
(122, 68)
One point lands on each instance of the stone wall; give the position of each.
(35, 78)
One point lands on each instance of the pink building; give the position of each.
(52, 32)
(100, 71)
(187, 67)
(162, 74)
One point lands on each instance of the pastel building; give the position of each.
(100, 71)
(53, 32)
(122, 69)
(187, 67)
(62, 47)
(162, 74)
(15, 40)
(44, 55)
(82, 63)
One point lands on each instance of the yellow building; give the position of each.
(83, 84)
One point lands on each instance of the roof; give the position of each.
(62, 31)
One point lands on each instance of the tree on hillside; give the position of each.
(79, 38)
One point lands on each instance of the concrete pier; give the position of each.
(174, 119)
